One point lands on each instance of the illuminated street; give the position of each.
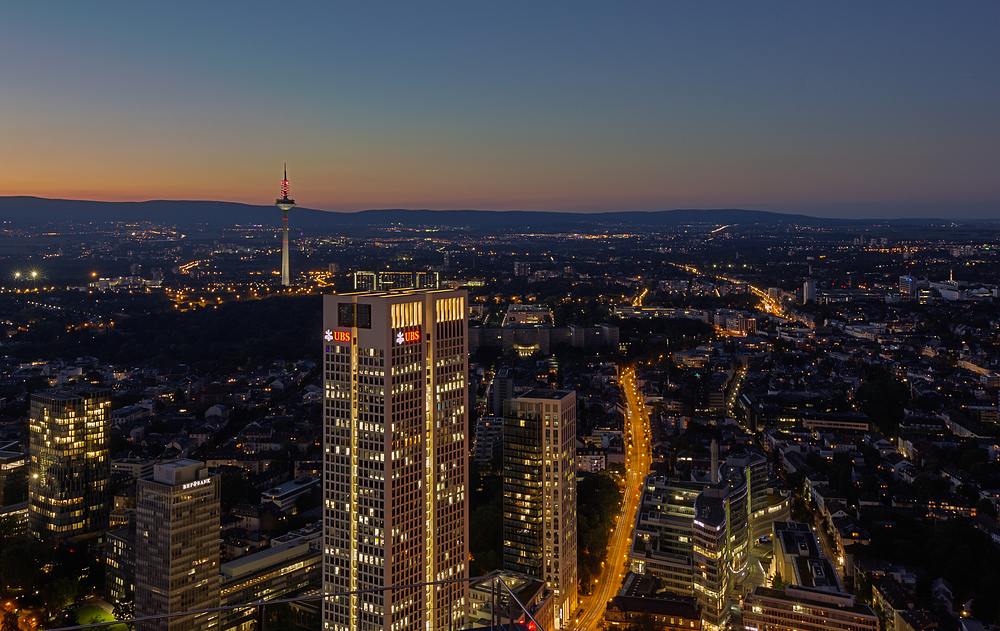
(637, 466)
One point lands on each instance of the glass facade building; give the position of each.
(69, 470)
(539, 483)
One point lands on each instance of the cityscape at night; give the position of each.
(513, 317)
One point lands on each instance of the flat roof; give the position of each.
(822, 600)
(257, 561)
(545, 393)
(69, 394)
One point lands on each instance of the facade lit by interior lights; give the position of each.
(395, 459)
(177, 547)
(539, 483)
(69, 471)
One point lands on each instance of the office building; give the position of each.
(119, 562)
(501, 388)
(908, 287)
(285, 496)
(664, 530)
(489, 439)
(808, 290)
(69, 470)
(539, 484)
(13, 475)
(696, 537)
(177, 547)
(799, 561)
(803, 609)
(284, 570)
(491, 600)
(396, 460)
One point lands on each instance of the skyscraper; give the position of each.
(177, 547)
(396, 459)
(539, 484)
(285, 204)
(69, 470)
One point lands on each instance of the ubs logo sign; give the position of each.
(337, 336)
(407, 336)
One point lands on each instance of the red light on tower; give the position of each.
(284, 185)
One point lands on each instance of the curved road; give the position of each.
(638, 462)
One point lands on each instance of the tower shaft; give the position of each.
(285, 203)
(285, 280)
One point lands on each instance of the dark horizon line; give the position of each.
(785, 213)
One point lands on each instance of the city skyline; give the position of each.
(847, 110)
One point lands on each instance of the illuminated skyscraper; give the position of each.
(396, 459)
(69, 470)
(177, 547)
(539, 490)
(285, 204)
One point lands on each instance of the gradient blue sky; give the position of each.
(837, 108)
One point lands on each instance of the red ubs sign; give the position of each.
(341, 336)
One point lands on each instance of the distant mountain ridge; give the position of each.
(34, 210)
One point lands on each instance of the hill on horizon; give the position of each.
(24, 210)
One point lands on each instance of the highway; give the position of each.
(638, 462)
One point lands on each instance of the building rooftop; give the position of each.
(814, 598)
(544, 393)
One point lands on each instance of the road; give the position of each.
(770, 305)
(638, 462)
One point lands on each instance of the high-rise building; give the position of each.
(69, 470)
(177, 547)
(808, 290)
(119, 562)
(539, 484)
(697, 537)
(396, 460)
(285, 204)
(908, 287)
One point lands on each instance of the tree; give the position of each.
(33, 384)
(279, 617)
(124, 609)
(61, 593)
(9, 622)
(97, 620)
(777, 582)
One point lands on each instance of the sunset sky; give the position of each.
(856, 109)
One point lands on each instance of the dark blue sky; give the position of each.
(847, 108)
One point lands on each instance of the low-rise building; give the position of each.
(804, 609)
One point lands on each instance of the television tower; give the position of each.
(285, 204)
